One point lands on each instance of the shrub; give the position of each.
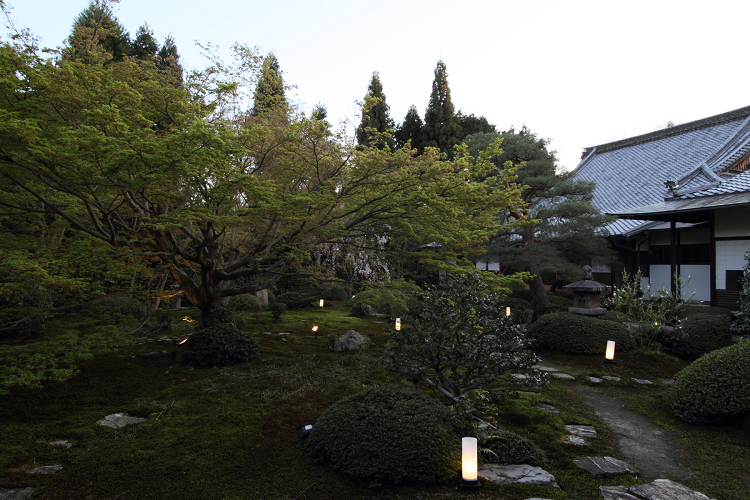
(136, 309)
(505, 447)
(523, 294)
(389, 434)
(243, 302)
(616, 316)
(575, 334)
(689, 309)
(277, 309)
(563, 303)
(338, 294)
(713, 387)
(707, 332)
(219, 343)
(521, 310)
(393, 297)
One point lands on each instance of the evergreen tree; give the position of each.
(410, 130)
(168, 59)
(471, 124)
(376, 119)
(97, 23)
(441, 128)
(269, 93)
(144, 45)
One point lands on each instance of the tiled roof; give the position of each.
(632, 172)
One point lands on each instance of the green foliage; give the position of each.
(562, 303)
(707, 332)
(395, 297)
(410, 131)
(471, 124)
(441, 128)
(243, 302)
(521, 310)
(616, 316)
(269, 95)
(741, 325)
(389, 435)
(714, 387)
(690, 309)
(277, 309)
(376, 126)
(220, 343)
(337, 293)
(505, 447)
(477, 343)
(576, 334)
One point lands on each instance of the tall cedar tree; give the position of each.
(376, 118)
(98, 23)
(441, 128)
(269, 93)
(567, 233)
(410, 130)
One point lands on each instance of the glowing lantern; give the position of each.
(610, 355)
(321, 302)
(469, 466)
(398, 323)
(315, 329)
(507, 311)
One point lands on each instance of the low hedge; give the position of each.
(714, 387)
(576, 334)
(707, 332)
(505, 447)
(389, 434)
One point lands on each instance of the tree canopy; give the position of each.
(376, 119)
(441, 127)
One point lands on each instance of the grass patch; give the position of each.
(230, 433)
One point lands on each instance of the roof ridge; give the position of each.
(671, 131)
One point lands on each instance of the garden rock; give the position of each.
(575, 440)
(16, 493)
(642, 381)
(119, 420)
(595, 380)
(546, 407)
(364, 310)
(61, 444)
(582, 430)
(517, 474)
(604, 465)
(547, 369)
(46, 469)
(350, 341)
(564, 376)
(611, 379)
(661, 489)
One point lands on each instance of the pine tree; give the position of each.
(144, 45)
(97, 23)
(269, 93)
(376, 119)
(168, 59)
(441, 128)
(410, 130)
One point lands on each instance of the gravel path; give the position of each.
(645, 446)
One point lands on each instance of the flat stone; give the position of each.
(575, 440)
(661, 489)
(665, 489)
(547, 369)
(118, 420)
(611, 379)
(668, 382)
(46, 469)
(528, 393)
(582, 430)
(564, 376)
(642, 381)
(595, 380)
(517, 474)
(604, 465)
(61, 444)
(547, 408)
(16, 493)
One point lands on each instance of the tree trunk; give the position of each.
(539, 299)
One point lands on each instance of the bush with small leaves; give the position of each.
(707, 332)
(338, 294)
(521, 310)
(505, 447)
(576, 334)
(715, 387)
(219, 342)
(243, 302)
(389, 434)
(136, 309)
(562, 303)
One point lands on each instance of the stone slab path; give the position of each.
(646, 446)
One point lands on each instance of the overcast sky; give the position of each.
(579, 73)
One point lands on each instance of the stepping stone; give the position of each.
(564, 376)
(547, 408)
(582, 430)
(16, 493)
(47, 469)
(517, 474)
(611, 379)
(642, 381)
(661, 489)
(604, 465)
(595, 380)
(575, 440)
(119, 420)
(529, 393)
(547, 369)
(61, 444)
(668, 382)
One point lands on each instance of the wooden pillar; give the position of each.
(673, 256)
(712, 255)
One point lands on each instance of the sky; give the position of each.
(579, 73)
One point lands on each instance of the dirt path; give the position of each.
(644, 445)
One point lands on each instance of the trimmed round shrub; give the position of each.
(243, 302)
(616, 316)
(337, 293)
(136, 309)
(563, 303)
(505, 447)
(707, 332)
(389, 434)
(221, 344)
(576, 334)
(690, 309)
(714, 387)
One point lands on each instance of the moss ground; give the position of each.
(230, 433)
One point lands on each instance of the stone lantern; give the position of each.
(587, 295)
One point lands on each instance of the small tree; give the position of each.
(458, 339)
